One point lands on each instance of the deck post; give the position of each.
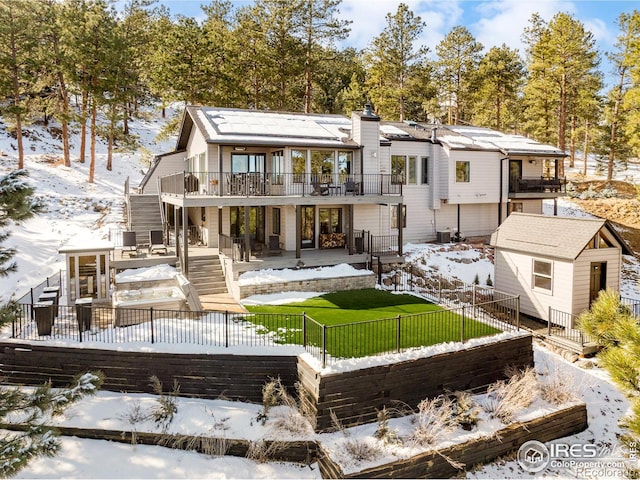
(518, 312)
(247, 235)
(350, 239)
(151, 322)
(298, 228)
(462, 325)
(549, 321)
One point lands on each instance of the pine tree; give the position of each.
(617, 330)
(18, 448)
(459, 55)
(16, 205)
(501, 76)
(394, 61)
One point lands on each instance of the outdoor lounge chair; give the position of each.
(156, 242)
(129, 243)
(351, 187)
(274, 245)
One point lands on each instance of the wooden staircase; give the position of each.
(143, 214)
(205, 273)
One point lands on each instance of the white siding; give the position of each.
(374, 218)
(514, 274)
(444, 171)
(168, 164)
(420, 219)
(529, 206)
(196, 143)
(582, 274)
(367, 134)
(484, 184)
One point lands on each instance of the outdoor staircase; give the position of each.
(143, 215)
(205, 273)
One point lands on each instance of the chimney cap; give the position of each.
(367, 112)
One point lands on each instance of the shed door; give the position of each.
(598, 279)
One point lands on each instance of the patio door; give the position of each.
(598, 279)
(256, 222)
(515, 174)
(308, 227)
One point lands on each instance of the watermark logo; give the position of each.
(533, 456)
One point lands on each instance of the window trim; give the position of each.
(536, 274)
(424, 170)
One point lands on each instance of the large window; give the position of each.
(247, 162)
(345, 160)
(412, 169)
(299, 165)
(277, 167)
(542, 274)
(424, 161)
(330, 220)
(463, 172)
(322, 164)
(397, 168)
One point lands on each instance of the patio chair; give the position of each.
(351, 187)
(129, 243)
(319, 189)
(274, 245)
(156, 242)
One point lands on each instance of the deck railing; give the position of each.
(538, 185)
(275, 185)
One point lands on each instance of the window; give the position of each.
(463, 172)
(394, 216)
(330, 220)
(275, 221)
(397, 169)
(322, 165)
(345, 160)
(425, 170)
(412, 169)
(298, 165)
(542, 274)
(515, 207)
(277, 167)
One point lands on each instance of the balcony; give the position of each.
(227, 184)
(537, 187)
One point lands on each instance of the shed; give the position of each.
(88, 269)
(556, 263)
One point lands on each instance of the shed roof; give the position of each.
(544, 235)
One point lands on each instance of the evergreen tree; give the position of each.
(18, 448)
(563, 64)
(18, 61)
(501, 76)
(337, 70)
(459, 55)
(617, 330)
(16, 204)
(394, 62)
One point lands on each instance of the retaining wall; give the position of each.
(356, 396)
(238, 377)
(479, 451)
(312, 285)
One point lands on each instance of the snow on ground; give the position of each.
(76, 209)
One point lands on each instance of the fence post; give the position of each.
(80, 323)
(473, 294)
(549, 321)
(439, 288)
(398, 334)
(304, 330)
(324, 346)
(518, 312)
(462, 325)
(226, 328)
(151, 321)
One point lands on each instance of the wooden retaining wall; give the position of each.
(474, 452)
(237, 377)
(356, 396)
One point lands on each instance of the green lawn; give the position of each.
(364, 322)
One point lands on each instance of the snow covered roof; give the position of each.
(558, 237)
(251, 127)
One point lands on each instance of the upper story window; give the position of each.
(424, 163)
(345, 162)
(321, 162)
(463, 172)
(298, 165)
(394, 216)
(398, 169)
(412, 170)
(542, 274)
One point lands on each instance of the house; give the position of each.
(247, 182)
(556, 263)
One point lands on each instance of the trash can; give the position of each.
(55, 290)
(50, 297)
(83, 313)
(44, 317)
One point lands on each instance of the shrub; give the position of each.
(166, 406)
(506, 397)
(386, 435)
(489, 282)
(433, 419)
(465, 410)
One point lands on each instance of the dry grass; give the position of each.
(387, 435)
(294, 418)
(361, 450)
(433, 420)
(505, 398)
(558, 386)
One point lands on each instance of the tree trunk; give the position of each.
(112, 129)
(92, 165)
(614, 123)
(64, 121)
(586, 148)
(572, 145)
(83, 127)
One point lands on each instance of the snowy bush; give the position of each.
(505, 398)
(433, 420)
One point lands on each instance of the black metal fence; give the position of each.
(32, 295)
(106, 324)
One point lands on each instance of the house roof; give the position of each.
(544, 235)
(232, 126)
(464, 137)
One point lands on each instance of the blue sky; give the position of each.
(492, 22)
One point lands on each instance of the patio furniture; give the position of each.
(351, 187)
(320, 188)
(274, 245)
(156, 242)
(129, 243)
